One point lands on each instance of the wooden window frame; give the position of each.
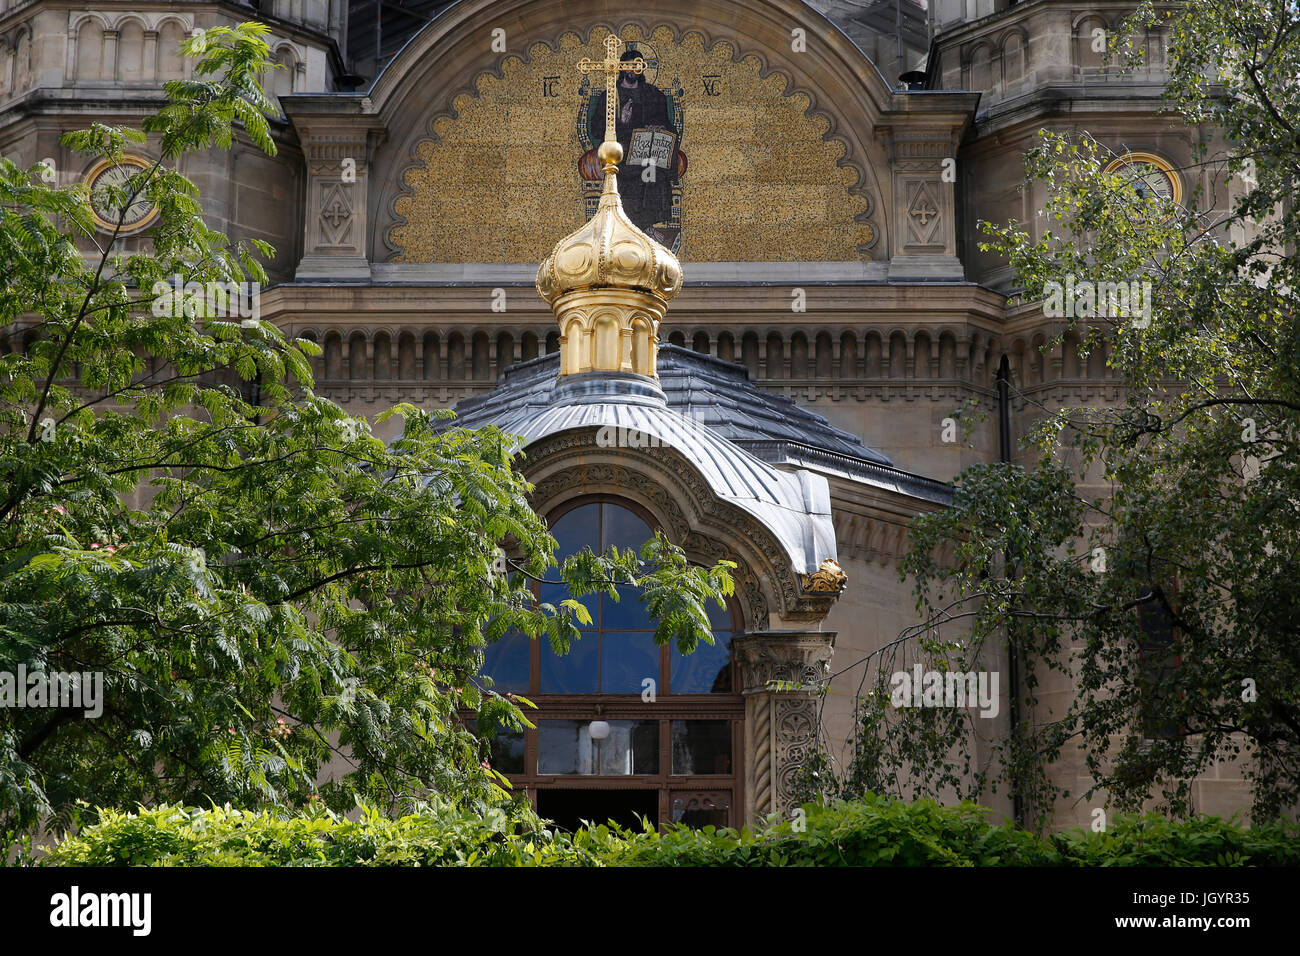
(666, 708)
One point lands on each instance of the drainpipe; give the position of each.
(1013, 659)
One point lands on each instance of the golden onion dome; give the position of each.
(609, 251)
(609, 284)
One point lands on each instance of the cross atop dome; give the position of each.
(609, 283)
(612, 66)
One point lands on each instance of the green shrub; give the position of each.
(872, 831)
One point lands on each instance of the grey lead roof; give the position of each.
(708, 411)
(708, 390)
(720, 396)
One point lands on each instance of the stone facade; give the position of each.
(828, 219)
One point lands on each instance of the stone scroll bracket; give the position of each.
(782, 674)
(923, 171)
(338, 151)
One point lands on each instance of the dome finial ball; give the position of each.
(610, 154)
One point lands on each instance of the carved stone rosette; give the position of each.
(780, 721)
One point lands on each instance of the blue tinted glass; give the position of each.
(555, 593)
(701, 746)
(575, 672)
(626, 661)
(506, 662)
(625, 614)
(507, 751)
(623, 529)
(707, 671)
(575, 530)
(719, 617)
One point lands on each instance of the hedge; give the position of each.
(873, 831)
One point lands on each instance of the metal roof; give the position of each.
(732, 432)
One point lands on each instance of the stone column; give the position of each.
(782, 674)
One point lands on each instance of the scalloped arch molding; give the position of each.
(481, 158)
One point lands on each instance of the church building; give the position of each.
(740, 301)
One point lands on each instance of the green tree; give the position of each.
(262, 583)
(1169, 598)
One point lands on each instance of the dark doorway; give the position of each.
(568, 808)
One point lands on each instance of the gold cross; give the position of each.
(611, 66)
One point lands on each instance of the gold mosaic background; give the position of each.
(500, 182)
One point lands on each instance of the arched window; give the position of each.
(625, 728)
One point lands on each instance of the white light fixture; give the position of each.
(598, 730)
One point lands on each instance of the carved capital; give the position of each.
(923, 167)
(792, 657)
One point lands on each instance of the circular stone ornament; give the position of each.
(1149, 174)
(107, 172)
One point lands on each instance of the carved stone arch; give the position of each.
(571, 464)
(529, 346)
(1037, 359)
(289, 79)
(1013, 50)
(22, 39)
(980, 65)
(480, 363)
(359, 361)
(1081, 29)
(749, 347)
(849, 354)
(8, 64)
(924, 354)
(726, 347)
(823, 358)
(899, 354)
(87, 46)
(1080, 18)
(316, 362)
(456, 354)
(332, 359)
(847, 93)
(505, 350)
(77, 17)
(1069, 354)
(799, 354)
(947, 341)
(172, 30)
(433, 367)
(382, 347)
(874, 355)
